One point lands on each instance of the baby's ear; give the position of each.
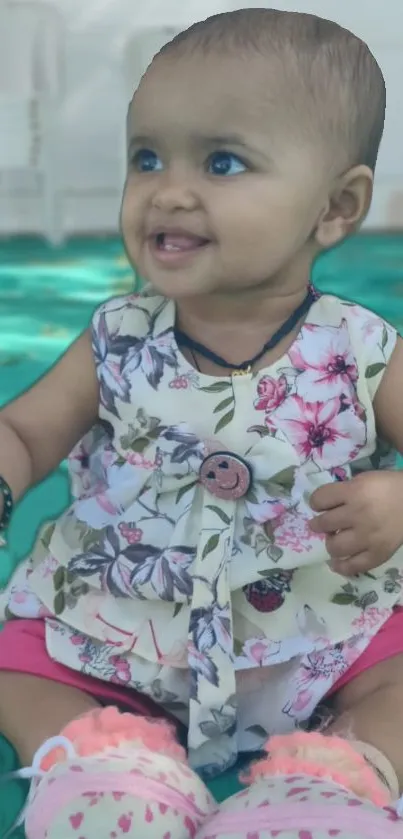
(347, 207)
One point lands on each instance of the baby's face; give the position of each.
(222, 193)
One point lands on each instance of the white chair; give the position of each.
(31, 84)
(139, 50)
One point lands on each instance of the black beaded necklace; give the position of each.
(245, 367)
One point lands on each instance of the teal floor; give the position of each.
(47, 297)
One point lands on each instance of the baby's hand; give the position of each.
(362, 520)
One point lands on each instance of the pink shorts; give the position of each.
(23, 650)
(387, 643)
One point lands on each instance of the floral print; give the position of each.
(271, 393)
(122, 572)
(113, 384)
(151, 353)
(151, 582)
(268, 595)
(324, 668)
(293, 531)
(326, 364)
(115, 666)
(318, 430)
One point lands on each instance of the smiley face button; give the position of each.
(225, 475)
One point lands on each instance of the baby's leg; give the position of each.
(33, 709)
(98, 771)
(362, 748)
(343, 782)
(369, 709)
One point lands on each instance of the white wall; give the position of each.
(93, 113)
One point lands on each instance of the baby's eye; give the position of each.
(225, 163)
(145, 160)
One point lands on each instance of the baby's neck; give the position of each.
(236, 328)
(230, 312)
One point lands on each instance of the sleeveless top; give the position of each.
(180, 584)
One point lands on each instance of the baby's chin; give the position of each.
(182, 285)
(199, 278)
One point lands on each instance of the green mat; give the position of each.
(47, 297)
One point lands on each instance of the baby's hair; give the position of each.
(333, 80)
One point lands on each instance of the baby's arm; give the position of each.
(388, 402)
(362, 518)
(39, 428)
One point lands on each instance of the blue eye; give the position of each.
(225, 163)
(146, 160)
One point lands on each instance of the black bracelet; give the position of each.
(8, 504)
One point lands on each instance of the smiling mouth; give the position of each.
(178, 242)
(233, 486)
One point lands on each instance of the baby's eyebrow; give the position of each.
(196, 139)
(206, 143)
(221, 140)
(141, 140)
(234, 142)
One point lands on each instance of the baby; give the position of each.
(232, 562)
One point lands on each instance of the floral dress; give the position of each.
(223, 610)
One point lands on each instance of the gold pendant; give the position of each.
(244, 372)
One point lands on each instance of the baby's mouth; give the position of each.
(179, 242)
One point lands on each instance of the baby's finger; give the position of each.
(346, 543)
(328, 497)
(353, 565)
(338, 519)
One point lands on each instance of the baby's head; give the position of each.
(253, 138)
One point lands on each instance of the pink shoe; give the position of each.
(112, 775)
(312, 802)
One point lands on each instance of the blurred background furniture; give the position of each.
(31, 84)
